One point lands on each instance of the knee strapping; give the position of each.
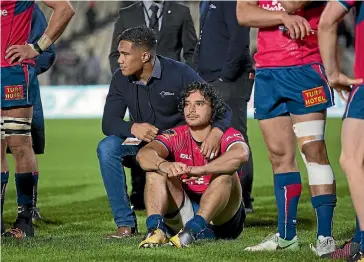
(307, 132)
(2, 129)
(15, 126)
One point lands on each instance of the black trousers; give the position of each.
(237, 95)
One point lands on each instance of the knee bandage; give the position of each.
(15, 126)
(2, 129)
(307, 132)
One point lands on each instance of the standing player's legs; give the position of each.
(308, 96)
(16, 109)
(310, 131)
(17, 137)
(352, 163)
(280, 141)
(352, 159)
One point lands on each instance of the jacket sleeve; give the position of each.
(224, 123)
(114, 53)
(189, 38)
(238, 54)
(113, 122)
(39, 24)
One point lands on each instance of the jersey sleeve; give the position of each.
(347, 4)
(167, 138)
(230, 137)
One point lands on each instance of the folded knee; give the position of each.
(108, 145)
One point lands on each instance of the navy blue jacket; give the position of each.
(155, 103)
(39, 24)
(224, 45)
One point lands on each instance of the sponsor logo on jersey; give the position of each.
(185, 156)
(314, 96)
(14, 92)
(3, 12)
(234, 136)
(274, 6)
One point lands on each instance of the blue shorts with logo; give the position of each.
(355, 105)
(17, 85)
(294, 90)
(26, 94)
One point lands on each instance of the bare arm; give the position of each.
(327, 34)
(230, 161)
(62, 14)
(151, 156)
(227, 163)
(293, 6)
(251, 15)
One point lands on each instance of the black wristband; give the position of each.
(37, 48)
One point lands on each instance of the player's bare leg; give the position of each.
(281, 144)
(352, 163)
(221, 200)
(4, 174)
(162, 196)
(17, 136)
(310, 132)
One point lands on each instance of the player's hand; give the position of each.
(211, 145)
(174, 169)
(20, 53)
(342, 84)
(144, 131)
(297, 26)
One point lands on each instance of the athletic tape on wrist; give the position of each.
(44, 42)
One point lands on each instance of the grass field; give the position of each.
(76, 211)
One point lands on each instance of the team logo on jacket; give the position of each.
(314, 96)
(166, 93)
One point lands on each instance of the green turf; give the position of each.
(73, 202)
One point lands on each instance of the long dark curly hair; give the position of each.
(209, 92)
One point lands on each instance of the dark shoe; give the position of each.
(346, 250)
(358, 257)
(122, 232)
(36, 215)
(23, 226)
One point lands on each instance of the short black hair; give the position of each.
(140, 36)
(210, 93)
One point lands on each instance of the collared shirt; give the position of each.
(156, 73)
(147, 15)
